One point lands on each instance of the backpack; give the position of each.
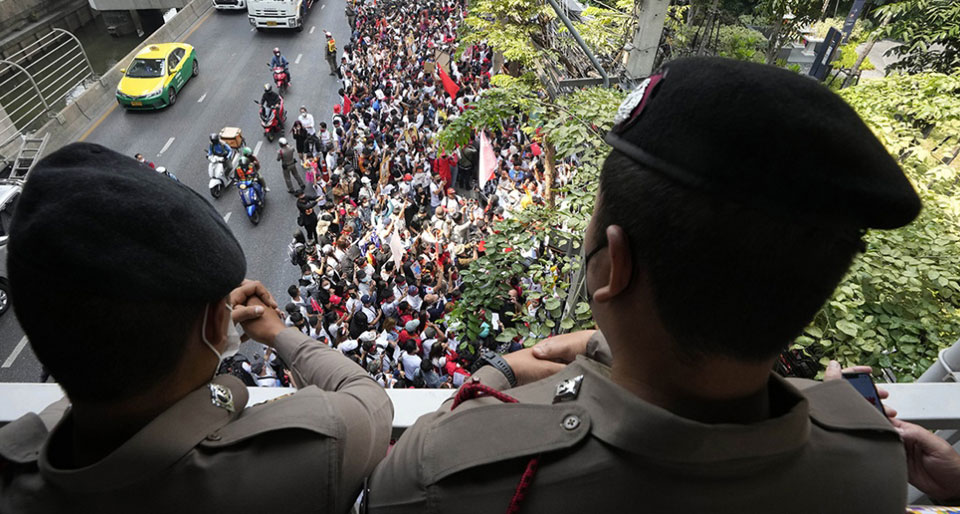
(295, 253)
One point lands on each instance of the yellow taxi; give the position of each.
(156, 75)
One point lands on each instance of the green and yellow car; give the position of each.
(156, 75)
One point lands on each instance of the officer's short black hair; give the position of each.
(726, 279)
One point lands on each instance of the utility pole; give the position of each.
(643, 49)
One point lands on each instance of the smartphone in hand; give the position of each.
(863, 383)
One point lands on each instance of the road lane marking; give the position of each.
(322, 6)
(16, 352)
(226, 217)
(197, 26)
(98, 122)
(204, 95)
(297, 60)
(313, 28)
(166, 146)
(256, 149)
(252, 29)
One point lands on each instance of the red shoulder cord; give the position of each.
(472, 390)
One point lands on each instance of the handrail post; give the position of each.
(583, 46)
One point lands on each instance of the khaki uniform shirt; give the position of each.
(826, 450)
(307, 452)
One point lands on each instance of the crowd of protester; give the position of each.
(388, 219)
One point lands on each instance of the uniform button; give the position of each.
(213, 437)
(571, 422)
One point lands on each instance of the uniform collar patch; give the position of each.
(222, 397)
(568, 389)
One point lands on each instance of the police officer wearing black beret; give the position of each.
(152, 284)
(731, 206)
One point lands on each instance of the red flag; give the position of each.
(448, 84)
(346, 104)
(488, 160)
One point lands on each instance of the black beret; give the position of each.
(763, 137)
(115, 227)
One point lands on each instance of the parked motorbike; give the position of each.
(220, 171)
(251, 194)
(272, 118)
(281, 79)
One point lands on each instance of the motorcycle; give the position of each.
(251, 194)
(281, 79)
(272, 118)
(220, 171)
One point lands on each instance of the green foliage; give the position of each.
(603, 30)
(491, 110)
(930, 30)
(861, 29)
(575, 125)
(848, 57)
(509, 27)
(741, 43)
(900, 302)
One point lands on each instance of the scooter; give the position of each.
(251, 194)
(219, 178)
(272, 119)
(281, 79)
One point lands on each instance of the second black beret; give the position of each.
(765, 137)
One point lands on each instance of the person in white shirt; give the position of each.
(325, 137)
(410, 360)
(331, 158)
(306, 119)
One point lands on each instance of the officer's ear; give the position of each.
(615, 265)
(218, 317)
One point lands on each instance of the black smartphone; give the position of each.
(863, 383)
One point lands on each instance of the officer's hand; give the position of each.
(528, 368)
(933, 466)
(563, 348)
(833, 372)
(248, 288)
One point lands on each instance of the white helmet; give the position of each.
(282, 141)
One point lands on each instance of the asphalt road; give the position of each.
(233, 68)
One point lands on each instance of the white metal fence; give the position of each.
(35, 81)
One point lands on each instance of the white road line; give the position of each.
(313, 28)
(201, 98)
(322, 6)
(256, 149)
(164, 149)
(16, 353)
(226, 217)
(297, 60)
(252, 29)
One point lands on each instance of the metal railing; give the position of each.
(35, 82)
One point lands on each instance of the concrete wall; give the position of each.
(69, 15)
(122, 5)
(74, 119)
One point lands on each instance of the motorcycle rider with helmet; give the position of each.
(279, 60)
(219, 148)
(249, 168)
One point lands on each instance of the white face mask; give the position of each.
(233, 341)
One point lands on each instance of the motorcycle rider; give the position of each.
(270, 97)
(279, 60)
(219, 148)
(249, 168)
